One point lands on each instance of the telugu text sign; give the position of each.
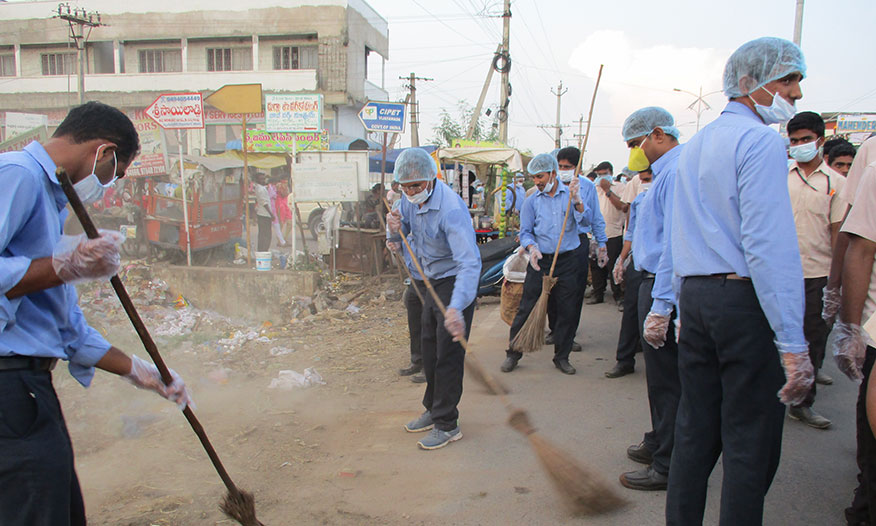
(174, 111)
(383, 116)
(263, 141)
(293, 113)
(325, 182)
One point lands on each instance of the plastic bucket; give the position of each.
(263, 260)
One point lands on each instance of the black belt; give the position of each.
(17, 363)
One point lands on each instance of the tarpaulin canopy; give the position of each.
(265, 161)
(480, 155)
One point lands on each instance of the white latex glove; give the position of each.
(677, 328)
(146, 376)
(393, 221)
(799, 376)
(454, 323)
(574, 190)
(831, 303)
(594, 245)
(77, 258)
(617, 272)
(655, 329)
(847, 344)
(602, 257)
(534, 257)
(393, 246)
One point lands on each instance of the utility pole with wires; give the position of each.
(505, 70)
(580, 135)
(798, 23)
(699, 105)
(415, 110)
(559, 129)
(79, 19)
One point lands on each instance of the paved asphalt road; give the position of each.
(596, 419)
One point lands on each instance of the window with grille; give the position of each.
(7, 65)
(58, 64)
(295, 57)
(229, 59)
(160, 60)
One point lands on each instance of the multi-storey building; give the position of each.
(142, 49)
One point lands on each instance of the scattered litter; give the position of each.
(180, 302)
(352, 309)
(280, 351)
(219, 376)
(348, 473)
(288, 380)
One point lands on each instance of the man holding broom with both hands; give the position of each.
(445, 247)
(40, 321)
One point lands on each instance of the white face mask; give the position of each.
(566, 175)
(776, 113)
(420, 198)
(803, 153)
(645, 186)
(549, 186)
(90, 189)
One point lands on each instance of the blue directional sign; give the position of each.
(383, 116)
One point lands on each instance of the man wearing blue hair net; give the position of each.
(734, 248)
(652, 137)
(541, 222)
(444, 244)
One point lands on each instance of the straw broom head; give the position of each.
(530, 338)
(583, 491)
(240, 506)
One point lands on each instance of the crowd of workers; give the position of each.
(738, 253)
(730, 257)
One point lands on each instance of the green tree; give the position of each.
(454, 127)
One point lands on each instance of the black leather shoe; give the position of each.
(596, 300)
(549, 339)
(620, 370)
(418, 378)
(564, 366)
(639, 453)
(414, 368)
(576, 347)
(645, 479)
(509, 364)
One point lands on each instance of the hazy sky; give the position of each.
(648, 49)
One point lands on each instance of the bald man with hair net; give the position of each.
(652, 137)
(734, 250)
(444, 245)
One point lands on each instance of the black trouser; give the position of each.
(863, 508)
(730, 372)
(443, 359)
(814, 328)
(37, 477)
(664, 388)
(415, 313)
(629, 341)
(583, 252)
(602, 275)
(562, 296)
(264, 239)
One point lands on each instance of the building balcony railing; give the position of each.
(285, 80)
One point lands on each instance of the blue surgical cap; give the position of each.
(414, 164)
(760, 62)
(543, 162)
(643, 121)
(555, 152)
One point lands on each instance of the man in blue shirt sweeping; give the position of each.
(444, 244)
(40, 321)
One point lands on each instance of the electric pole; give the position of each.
(699, 105)
(798, 23)
(580, 134)
(559, 129)
(505, 70)
(79, 19)
(476, 114)
(415, 111)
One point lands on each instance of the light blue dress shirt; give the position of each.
(649, 241)
(444, 241)
(634, 216)
(593, 221)
(542, 217)
(732, 213)
(510, 193)
(49, 323)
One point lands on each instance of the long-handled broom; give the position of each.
(530, 337)
(237, 504)
(475, 369)
(583, 490)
